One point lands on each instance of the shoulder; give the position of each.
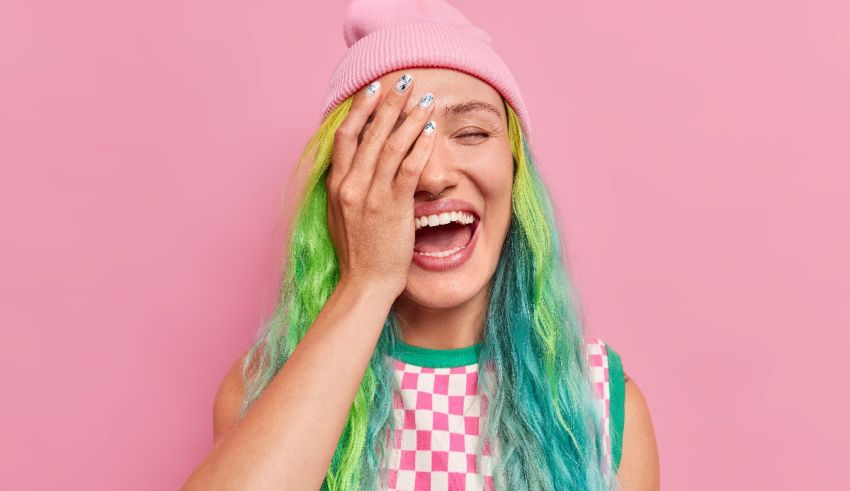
(639, 463)
(228, 399)
(633, 445)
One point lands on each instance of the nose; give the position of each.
(439, 175)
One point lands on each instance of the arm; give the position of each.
(639, 466)
(288, 436)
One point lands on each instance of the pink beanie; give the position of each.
(388, 35)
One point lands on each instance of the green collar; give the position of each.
(437, 358)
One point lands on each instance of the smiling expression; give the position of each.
(472, 166)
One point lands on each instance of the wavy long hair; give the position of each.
(541, 416)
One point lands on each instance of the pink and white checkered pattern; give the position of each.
(438, 414)
(600, 379)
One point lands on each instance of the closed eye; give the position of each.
(475, 135)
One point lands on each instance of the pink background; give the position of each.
(698, 153)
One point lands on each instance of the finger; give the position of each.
(398, 145)
(411, 167)
(376, 133)
(348, 132)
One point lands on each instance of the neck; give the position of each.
(459, 326)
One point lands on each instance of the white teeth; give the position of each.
(444, 218)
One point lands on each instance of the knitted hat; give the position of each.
(388, 35)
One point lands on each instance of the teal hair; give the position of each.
(541, 412)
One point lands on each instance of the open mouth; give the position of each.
(444, 234)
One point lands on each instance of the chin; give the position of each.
(438, 295)
(447, 289)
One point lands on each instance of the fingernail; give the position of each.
(373, 88)
(426, 100)
(403, 82)
(430, 127)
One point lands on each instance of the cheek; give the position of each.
(493, 173)
(496, 184)
(496, 190)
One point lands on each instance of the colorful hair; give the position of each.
(542, 416)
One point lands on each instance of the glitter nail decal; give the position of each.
(373, 87)
(426, 99)
(430, 127)
(403, 82)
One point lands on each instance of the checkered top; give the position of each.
(438, 414)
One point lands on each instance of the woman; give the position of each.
(424, 247)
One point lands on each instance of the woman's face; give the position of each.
(471, 162)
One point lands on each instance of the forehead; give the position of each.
(448, 86)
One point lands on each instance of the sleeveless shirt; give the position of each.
(438, 416)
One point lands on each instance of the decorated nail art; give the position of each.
(373, 88)
(403, 82)
(430, 127)
(426, 100)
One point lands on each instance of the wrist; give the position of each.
(376, 294)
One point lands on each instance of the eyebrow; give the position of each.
(470, 106)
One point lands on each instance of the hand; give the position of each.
(371, 184)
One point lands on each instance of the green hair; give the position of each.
(542, 415)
